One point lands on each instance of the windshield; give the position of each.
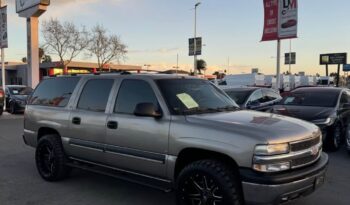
(317, 99)
(240, 97)
(194, 96)
(21, 90)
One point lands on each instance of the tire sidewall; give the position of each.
(59, 167)
(219, 180)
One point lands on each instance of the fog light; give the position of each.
(272, 167)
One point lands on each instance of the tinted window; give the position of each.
(239, 97)
(133, 92)
(54, 92)
(257, 96)
(271, 96)
(314, 98)
(344, 99)
(187, 96)
(94, 96)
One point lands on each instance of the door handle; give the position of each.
(76, 120)
(113, 125)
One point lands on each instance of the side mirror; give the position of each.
(147, 110)
(346, 106)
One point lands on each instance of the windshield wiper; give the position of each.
(228, 108)
(198, 110)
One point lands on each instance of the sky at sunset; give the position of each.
(155, 31)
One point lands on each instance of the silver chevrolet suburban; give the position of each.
(172, 133)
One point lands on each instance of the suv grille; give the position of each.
(299, 146)
(304, 160)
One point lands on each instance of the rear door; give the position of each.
(135, 143)
(87, 131)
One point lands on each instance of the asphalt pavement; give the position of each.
(20, 183)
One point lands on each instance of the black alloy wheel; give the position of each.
(50, 159)
(208, 182)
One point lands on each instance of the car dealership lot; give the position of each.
(21, 184)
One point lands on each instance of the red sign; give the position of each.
(281, 19)
(271, 20)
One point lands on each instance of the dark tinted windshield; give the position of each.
(240, 97)
(21, 90)
(191, 96)
(311, 98)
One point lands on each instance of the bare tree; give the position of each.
(65, 40)
(106, 48)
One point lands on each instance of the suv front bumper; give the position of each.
(278, 188)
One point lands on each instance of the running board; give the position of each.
(152, 182)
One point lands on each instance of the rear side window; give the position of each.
(54, 92)
(94, 96)
(133, 92)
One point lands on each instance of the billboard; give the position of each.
(22, 5)
(281, 19)
(287, 60)
(333, 59)
(3, 27)
(198, 46)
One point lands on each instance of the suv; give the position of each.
(2, 96)
(172, 132)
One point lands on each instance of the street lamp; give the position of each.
(195, 37)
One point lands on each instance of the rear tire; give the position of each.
(347, 139)
(51, 159)
(1, 111)
(208, 182)
(334, 138)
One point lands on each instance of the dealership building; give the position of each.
(16, 73)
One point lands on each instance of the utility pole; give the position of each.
(278, 76)
(290, 56)
(3, 72)
(195, 37)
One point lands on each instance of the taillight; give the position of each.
(1, 94)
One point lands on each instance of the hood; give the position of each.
(307, 113)
(264, 127)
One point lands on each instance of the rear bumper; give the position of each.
(280, 188)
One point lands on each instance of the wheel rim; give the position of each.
(337, 136)
(201, 189)
(46, 159)
(348, 139)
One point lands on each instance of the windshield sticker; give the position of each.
(187, 100)
(15, 92)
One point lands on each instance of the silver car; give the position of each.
(173, 133)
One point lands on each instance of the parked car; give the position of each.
(2, 97)
(172, 132)
(16, 98)
(327, 107)
(254, 98)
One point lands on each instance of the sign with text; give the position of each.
(22, 5)
(3, 27)
(346, 67)
(290, 58)
(198, 46)
(281, 19)
(333, 59)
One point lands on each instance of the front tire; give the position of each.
(208, 182)
(13, 108)
(334, 138)
(51, 159)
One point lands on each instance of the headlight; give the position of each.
(327, 121)
(273, 149)
(277, 167)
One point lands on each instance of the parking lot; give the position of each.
(20, 183)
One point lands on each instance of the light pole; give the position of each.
(195, 37)
(3, 71)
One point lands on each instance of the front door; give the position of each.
(134, 143)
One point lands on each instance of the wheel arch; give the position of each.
(43, 131)
(189, 155)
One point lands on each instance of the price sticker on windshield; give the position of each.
(187, 100)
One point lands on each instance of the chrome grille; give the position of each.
(298, 146)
